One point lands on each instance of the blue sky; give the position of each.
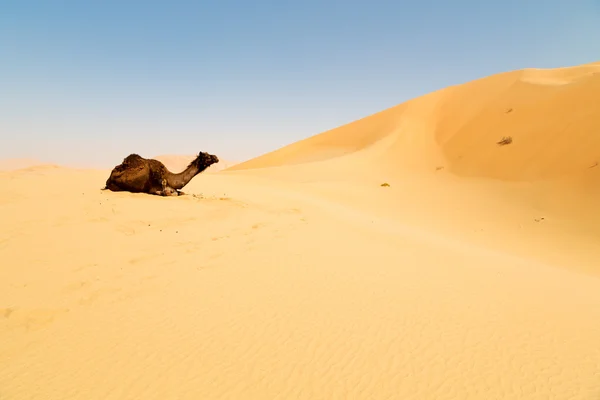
(88, 82)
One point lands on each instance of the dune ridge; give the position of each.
(473, 274)
(11, 164)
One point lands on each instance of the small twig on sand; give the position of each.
(505, 140)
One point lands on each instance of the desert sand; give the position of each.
(473, 274)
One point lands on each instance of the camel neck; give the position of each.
(178, 181)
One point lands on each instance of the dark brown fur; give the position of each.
(142, 175)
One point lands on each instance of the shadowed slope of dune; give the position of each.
(555, 130)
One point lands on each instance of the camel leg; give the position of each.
(167, 190)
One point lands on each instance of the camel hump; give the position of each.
(134, 159)
(130, 163)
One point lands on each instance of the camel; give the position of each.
(142, 175)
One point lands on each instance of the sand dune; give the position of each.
(474, 275)
(12, 164)
(554, 129)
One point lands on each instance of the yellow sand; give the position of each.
(474, 275)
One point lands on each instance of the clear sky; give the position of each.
(88, 82)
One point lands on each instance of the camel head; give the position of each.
(205, 160)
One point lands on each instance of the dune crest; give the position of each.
(560, 76)
(11, 164)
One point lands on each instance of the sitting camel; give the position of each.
(137, 174)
